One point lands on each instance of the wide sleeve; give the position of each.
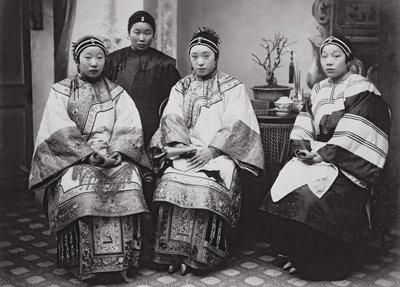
(172, 128)
(127, 134)
(360, 142)
(303, 132)
(59, 143)
(239, 137)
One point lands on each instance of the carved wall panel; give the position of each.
(357, 20)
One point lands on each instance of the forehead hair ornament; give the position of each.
(207, 37)
(141, 16)
(343, 43)
(85, 42)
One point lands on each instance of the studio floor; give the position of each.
(28, 258)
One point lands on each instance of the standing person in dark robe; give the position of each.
(317, 205)
(146, 74)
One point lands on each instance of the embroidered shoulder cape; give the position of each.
(214, 112)
(80, 118)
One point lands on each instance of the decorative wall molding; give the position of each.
(357, 19)
(322, 11)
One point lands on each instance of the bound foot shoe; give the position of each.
(280, 260)
(184, 269)
(292, 270)
(287, 266)
(88, 278)
(171, 269)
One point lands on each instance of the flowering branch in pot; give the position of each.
(271, 61)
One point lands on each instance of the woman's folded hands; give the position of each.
(308, 157)
(104, 161)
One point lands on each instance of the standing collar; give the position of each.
(206, 77)
(340, 80)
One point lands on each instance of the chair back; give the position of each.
(162, 107)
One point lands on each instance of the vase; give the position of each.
(270, 94)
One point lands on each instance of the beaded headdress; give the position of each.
(207, 37)
(343, 43)
(84, 42)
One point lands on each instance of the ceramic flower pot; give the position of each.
(271, 94)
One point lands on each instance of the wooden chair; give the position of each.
(381, 208)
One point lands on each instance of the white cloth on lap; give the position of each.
(319, 178)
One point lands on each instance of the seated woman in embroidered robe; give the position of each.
(209, 116)
(88, 155)
(317, 203)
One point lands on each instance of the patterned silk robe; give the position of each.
(91, 208)
(195, 205)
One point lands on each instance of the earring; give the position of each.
(128, 38)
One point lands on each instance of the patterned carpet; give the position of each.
(28, 258)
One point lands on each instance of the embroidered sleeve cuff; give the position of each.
(215, 152)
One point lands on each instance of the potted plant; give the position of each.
(275, 48)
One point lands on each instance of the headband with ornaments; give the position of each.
(207, 37)
(343, 43)
(84, 42)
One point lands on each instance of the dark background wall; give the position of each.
(389, 85)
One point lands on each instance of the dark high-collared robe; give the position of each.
(148, 77)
